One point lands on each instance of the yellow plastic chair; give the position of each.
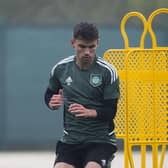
(147, 99)
(117, 58)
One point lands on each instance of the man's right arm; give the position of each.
(52, 99)
(47, 96)
(53, 94)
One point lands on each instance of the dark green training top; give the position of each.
(89, 88)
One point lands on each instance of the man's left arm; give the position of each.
(108, 111)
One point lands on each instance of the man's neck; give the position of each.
(84, 65)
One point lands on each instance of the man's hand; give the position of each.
(80, 111)
(56, 100)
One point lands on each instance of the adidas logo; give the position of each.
(68, 81)
(103, 162)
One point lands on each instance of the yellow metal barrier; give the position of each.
(142, 117)
(154, 42)
(150, 20)
(147, 85)
(147, 99)
(117, 58)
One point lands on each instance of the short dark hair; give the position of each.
(85, 31)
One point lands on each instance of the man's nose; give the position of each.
(87, 51)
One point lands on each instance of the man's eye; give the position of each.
(91, 46)
(82, 46)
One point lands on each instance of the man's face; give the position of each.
(85, 50)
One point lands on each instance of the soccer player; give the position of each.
(88, 88)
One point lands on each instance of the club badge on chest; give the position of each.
(95, 80)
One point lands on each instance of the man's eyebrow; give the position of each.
(86, 46)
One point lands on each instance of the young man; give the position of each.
(88, 87)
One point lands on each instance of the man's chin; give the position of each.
(86, 60)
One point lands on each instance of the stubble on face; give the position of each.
(85, 52)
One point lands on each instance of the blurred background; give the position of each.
(34, 35)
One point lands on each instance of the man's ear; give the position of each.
(98, 40)
(73, 43)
